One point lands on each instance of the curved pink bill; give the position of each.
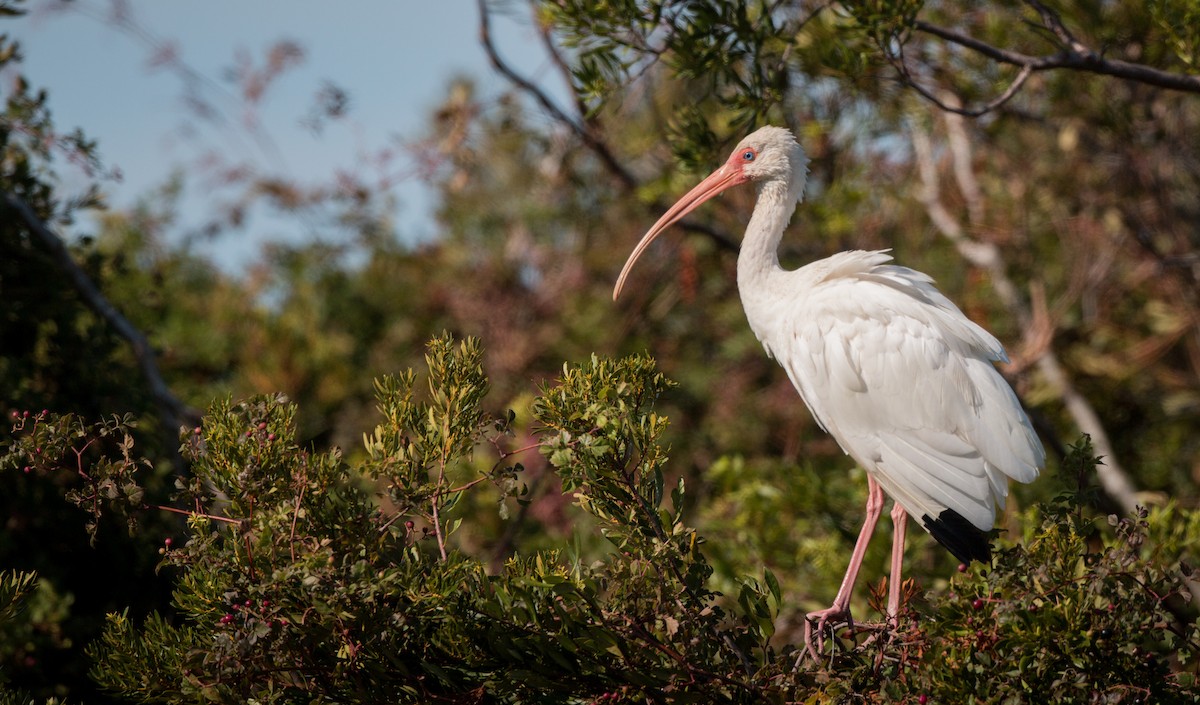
(712, 185)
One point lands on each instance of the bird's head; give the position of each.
(769, 155)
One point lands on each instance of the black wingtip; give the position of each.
(962, 538)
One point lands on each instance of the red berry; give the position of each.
(249, 603)
(270, 436)
(168, 542)
(922, 698)
(25, 414)
(408, 524)
(262, 425)
(28, 469)
(977, 604)
(962, 568)
(266, 603)
(249, 433)
(196, 430)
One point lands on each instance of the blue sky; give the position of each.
(395, 58)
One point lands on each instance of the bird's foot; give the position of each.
(816, 623)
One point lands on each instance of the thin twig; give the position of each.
(201, 515)
(295, 515)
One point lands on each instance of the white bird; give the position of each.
(886, 364)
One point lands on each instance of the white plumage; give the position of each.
(903, 381)
(886, 364)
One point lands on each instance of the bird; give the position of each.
(886, 364)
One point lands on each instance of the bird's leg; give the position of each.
(899, 525)
(840, 609)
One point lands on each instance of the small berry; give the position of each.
(270, 436)
(266, 604)
(407, 525)
(977, 603)
(25, 414)
(45, 412)
(249, 603)
(962, 568)
(249, 433)
(38, 450)
(168, 542)
(196, 430)
(922, 698)
(28, 469)
(262, 425)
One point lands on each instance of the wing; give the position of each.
(905, 383)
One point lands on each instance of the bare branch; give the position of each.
(1075, 56)
(986, 256)
(581, 131)
(585, 132)
(174, 412)
(964, 173)
(956, 109)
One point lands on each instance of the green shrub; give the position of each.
(303, 577)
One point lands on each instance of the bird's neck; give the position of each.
(758, 261)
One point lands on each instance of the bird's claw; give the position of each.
(822, 620)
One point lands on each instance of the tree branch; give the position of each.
(174, 412)
(1073, 55)
(583, 131)
(986, 256)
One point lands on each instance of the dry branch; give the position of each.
(985, 255)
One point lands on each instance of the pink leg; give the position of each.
(899, 525)
(840, 609)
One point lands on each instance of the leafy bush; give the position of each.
(305, 577)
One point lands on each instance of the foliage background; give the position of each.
(1063, 219)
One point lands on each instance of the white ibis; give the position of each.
(886, 364)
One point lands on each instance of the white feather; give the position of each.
(902, 379)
